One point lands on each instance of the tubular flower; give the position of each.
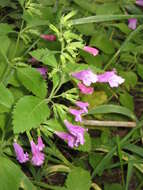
(86, 76)
(91, 50)
(37, 156)
(48, 37)
(77, 114)
(139, 2)
(20, 155)
(76, 131)
(132, 23)
(40, 144)
(71, 140)
(84, 89)
(110, 77)
(43, 71)
(83, 106)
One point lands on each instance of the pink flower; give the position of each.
(77, 114)
(86, 76)
(76, 131)
(110, 77)
(48, 37)
(37, 156)
(40, 144)
(132, 23)
(139, 2)
(84, 89)
(21, 156)
(43, 71)
(91, 50)
(67, 137)
(83, 106)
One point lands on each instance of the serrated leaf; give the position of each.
(78, 179)
(12, 177)
(6, 97)
(33, 81)
(46, 56)
(112, 109)
(29, 113)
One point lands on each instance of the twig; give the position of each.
(128, 124)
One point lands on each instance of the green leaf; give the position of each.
(33, 81)
(112, 109)
(46, 56)
(102, 41)
(12, 177)
(78, 179)
(4, 45)
(55, 125)
(5, 29)
(130, 79)
(21, 2)
(140, 70)
(103, 18)
(29, 113)
(6, 97)
(113, 186)
(127, 100)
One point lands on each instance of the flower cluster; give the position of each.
(36, 149)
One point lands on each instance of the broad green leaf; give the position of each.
(109, 108)
(6, 97)
(108, 8)
(103, 18)
(78, 179)
(130, 79)
(4, 45)
(5, 29)
(55, 125)
(29, 113)
(86, 29)
(113, 186)
(140, 70)
(86, 5)
(101, 41)
(33, 81)
(127, 100)
(12, 177)
(46, 56)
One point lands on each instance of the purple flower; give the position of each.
(91, 50)
(40, 144)
(37, 156)
(20, 155)
(86, 76)
(77, 114)
(110, 77)
(76, 131)
(67, 137)
(48, 37)
(83, 106)
(132, 23)
(139, 2)
(84, 89)
(43, 71)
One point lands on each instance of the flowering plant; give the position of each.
(56, 78)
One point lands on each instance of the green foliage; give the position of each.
(78, 179)
(46, 56)
(29, 113)
(33, 81)
(12, 177)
